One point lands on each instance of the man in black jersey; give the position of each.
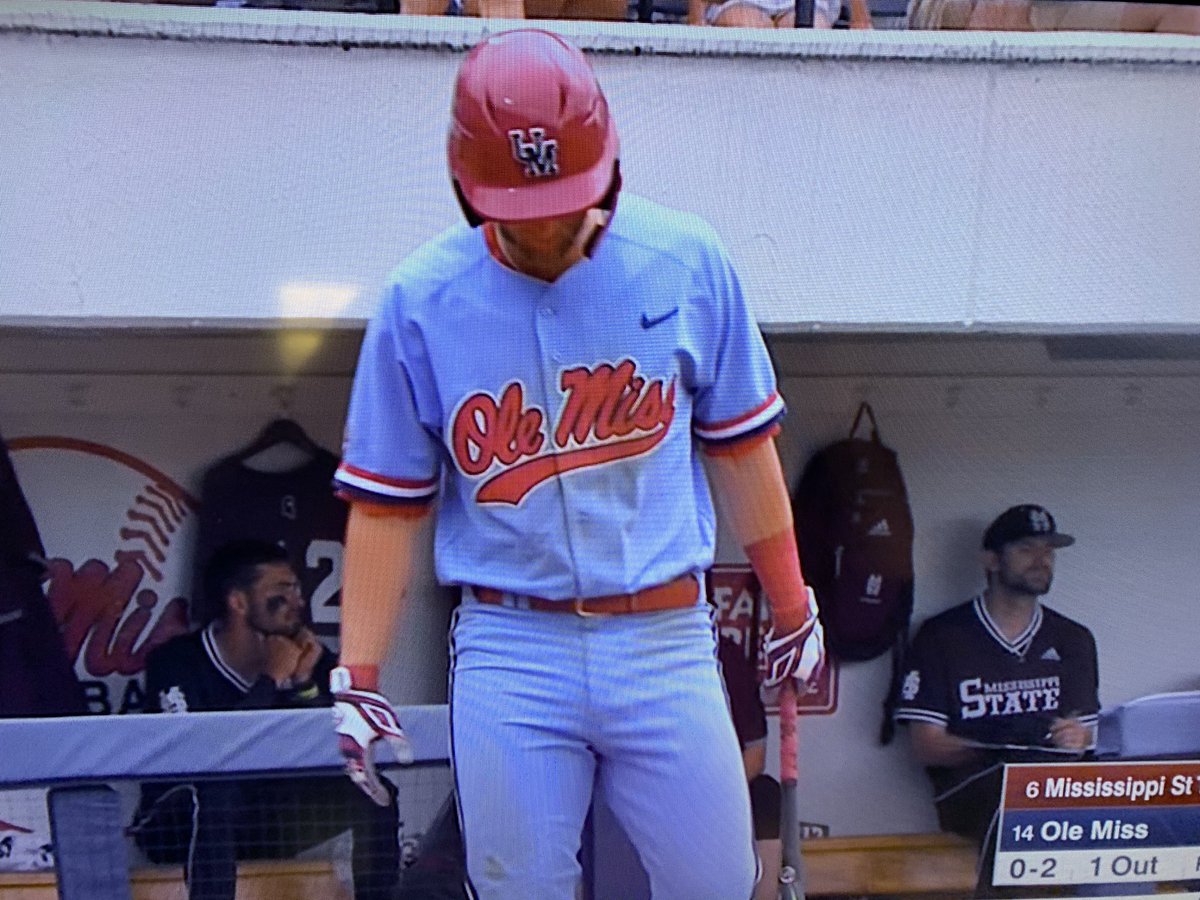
(1000, 678)
(256, 652)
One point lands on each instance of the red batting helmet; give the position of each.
(530, 136)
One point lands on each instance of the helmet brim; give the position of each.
(548, 200)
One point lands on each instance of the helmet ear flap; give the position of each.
(473, 218)
(609, 201)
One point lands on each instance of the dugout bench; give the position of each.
(293, 879)
(879, 865)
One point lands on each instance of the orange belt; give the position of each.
(682, 592)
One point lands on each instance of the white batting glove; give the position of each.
(798, 654)
(361, 718)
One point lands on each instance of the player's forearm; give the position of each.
(753, 497)
(378, 569)
(262, 694)
(935, 746)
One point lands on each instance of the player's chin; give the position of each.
(1039, 585)
(544, 237)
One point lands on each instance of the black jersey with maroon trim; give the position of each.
(963, 674)
(296, 509)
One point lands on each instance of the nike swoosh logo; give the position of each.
(648, 322)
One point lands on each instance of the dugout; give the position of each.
(990, 237)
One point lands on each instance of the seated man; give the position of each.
(999, 679)
(255, 652)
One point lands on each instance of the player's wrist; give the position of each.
(793, 614)
(354, 676)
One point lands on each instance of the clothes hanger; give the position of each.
(280, 431)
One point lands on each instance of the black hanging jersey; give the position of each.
(35, 671)
(20, 543)
(295, 508)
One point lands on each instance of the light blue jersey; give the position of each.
(558, 421)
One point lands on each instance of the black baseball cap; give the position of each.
(1026, 520)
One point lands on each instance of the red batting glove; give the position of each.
(797, 653)
(361, 718)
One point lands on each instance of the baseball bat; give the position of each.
(791, 868)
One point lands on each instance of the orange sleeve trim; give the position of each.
(388, 510)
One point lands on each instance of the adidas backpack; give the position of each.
(855, 531)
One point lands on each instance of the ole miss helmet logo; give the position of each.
(538, 154)
(608, 413)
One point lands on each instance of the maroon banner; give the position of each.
(735, 592)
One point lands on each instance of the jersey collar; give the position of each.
(208, 639)
(1019, 646)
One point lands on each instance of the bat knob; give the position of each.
(787, 875)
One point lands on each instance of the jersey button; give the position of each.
(547, 311)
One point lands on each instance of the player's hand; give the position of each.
(283, 655)
(310, 654)
(794, 650)
(1070, 734)
(361, 718)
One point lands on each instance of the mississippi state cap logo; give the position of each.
(1039, 521)
(536, 152)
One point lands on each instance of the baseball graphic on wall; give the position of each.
(118, 534)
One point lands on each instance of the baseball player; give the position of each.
(549, 369)
(1000, 678)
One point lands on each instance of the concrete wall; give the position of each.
(247, 164)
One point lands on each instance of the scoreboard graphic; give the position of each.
(1100, 823)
